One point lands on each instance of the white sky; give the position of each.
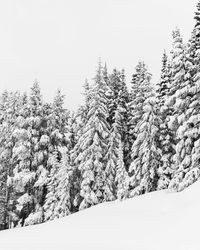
(59, 41)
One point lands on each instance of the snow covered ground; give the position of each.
(158, 221)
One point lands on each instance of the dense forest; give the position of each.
(120, 143)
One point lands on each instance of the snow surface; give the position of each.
(162, 220)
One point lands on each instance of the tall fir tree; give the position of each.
(30, 156)
(93, 146)
(58, 132)
(141, 89)
(170, 113)
(163, 86)
(4, 132)
(77, 129)
(10, 111)
(145, 152)
(122, 177)
(58, 201)
(187, 150)
(115, 169)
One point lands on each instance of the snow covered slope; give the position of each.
(157, 221)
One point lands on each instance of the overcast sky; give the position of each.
(59, 41)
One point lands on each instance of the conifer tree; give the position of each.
(57, 121)
(74, 128)
(122, 178)
(84, 109)
(3, 166)
(145, 152)
(52, 185)
(140, 90)
(10, 110)
(187, 150)
(30, 156)
(63, 191)
(77, 130)
(93, 146)
(162, 94)
(163, 87)
(58, 200)
(112, 157)
(171, 110)
(118, 93)
(58, 132)
(177, 66)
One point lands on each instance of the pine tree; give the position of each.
(30, 156)
(63, 140)
(3, 159)
(112, 157)
(77, 130)
(163, 86)
(52, 185)
(122, 178)
(65, 175)
(57, 132)
(57, 123)
(166, 109)
(162, 94)
(84, 109)
(93, 146)
(118, 93)
(73, 132)
(58, 200)
(187, 149)
(10, 110)
(140, 90)
(177, 67)
(145, 152)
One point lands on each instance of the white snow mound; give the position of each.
(161, 220)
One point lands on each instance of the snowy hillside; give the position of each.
(158, 221)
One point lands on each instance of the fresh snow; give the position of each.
(162, 220)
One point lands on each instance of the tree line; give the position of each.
(120, 143)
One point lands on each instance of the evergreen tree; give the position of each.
(122, 178)
(163, 87)
(187, 150)
(76, 132)
(145, 152)
(3, 159)
(93, 146)
(162, 94)
(140, 90)
(170, 111)
(57, 125)
(58, 132)
(112, 157)
(58, 200)
(52, 185)
(63, 191)
(30, 156)
(118, 93)
(84, 109)
(10, 110)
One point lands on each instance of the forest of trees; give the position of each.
(120, 143)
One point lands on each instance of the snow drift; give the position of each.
(162, 220)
